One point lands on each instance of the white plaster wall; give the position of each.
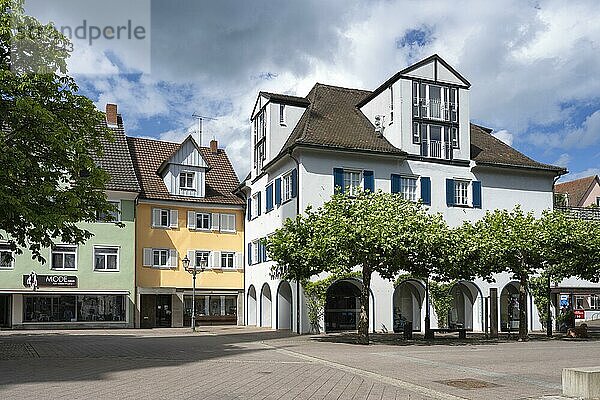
(278, 134)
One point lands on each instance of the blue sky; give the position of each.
(534, 65)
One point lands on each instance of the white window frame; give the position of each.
(207, 253)
(448, 109)
(282, 115)
(405, 188)
(255, 205)
(203, 214)
(227, 256)
(52, 252)
(162, 211)
(286, 187)
(222, 225)
(391, 91)
(461, 192)
(350, 188)
(186, 175)
(117, 254)
(160, 266)
(4, 248)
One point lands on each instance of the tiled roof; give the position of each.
(149, 154)
(286, 98)
(577, 189)
(332, 120)
(486, 149)
(116, 160)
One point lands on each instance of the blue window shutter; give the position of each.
(264, 251)
(450, 192)
(476, 194)
(249, 253)
(395, 183)
(426, 190)
(249, 209)
(369, 181)
(294, 182)
(269, 194)
(258, 200)
(338, 180)
(278, 191)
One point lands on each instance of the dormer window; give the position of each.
(435, 102)
(186, 180)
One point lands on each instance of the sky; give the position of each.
(534, 66)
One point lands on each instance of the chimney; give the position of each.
(214, 146)
(111, 114)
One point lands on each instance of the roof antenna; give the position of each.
(198, 132)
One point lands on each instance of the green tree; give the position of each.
(510, 243)
(50, 138)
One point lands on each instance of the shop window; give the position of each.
(100, 308)
(90, 308)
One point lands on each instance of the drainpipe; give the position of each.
(297, 213)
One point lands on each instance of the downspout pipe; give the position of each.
(297, 213)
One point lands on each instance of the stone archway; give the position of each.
(407, 303)
(509, 307)
(265, 306)
(251, 306)
(284, 306)
(464, 296)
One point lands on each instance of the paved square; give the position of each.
(246, 363)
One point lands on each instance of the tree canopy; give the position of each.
(50, 139)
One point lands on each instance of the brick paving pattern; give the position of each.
(244, 363)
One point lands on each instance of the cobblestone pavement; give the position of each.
(246, 363)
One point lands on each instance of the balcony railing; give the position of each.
(436, 149)
(590, 213)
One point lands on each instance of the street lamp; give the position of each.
(193, 269)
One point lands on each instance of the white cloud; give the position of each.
(563, 160)
(528, 62)
(505, 136)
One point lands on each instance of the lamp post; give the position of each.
(193, 269)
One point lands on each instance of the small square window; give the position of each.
(7, 260)
(408, 188)
(227, 259)
(352, 182)
(461, 193)
(203, 221)
(111, 216)
(160, 258)
(106, 258)
(228, 223)
(186, 180)
(64, 257)
(202, 258)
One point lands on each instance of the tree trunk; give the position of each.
(363, 322)
(523, 307)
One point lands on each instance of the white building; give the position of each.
(410, 135)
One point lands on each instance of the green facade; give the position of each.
(91, 284)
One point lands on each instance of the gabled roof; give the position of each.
(187, 140)
(488, 150)
(433, 58)
(149, 154)
(116, 161)
(333, 121)
(577, 189)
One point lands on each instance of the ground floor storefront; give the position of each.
(66, 309)
(172, 307)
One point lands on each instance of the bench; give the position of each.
(462, 332)
(581, 382)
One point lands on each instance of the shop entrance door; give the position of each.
(163, 311)
(4, 311)
(148, 311)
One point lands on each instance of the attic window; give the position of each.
(186, 180)
(282, 114)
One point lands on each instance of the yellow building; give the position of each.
(187, 209)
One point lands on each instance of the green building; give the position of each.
(86, 286)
